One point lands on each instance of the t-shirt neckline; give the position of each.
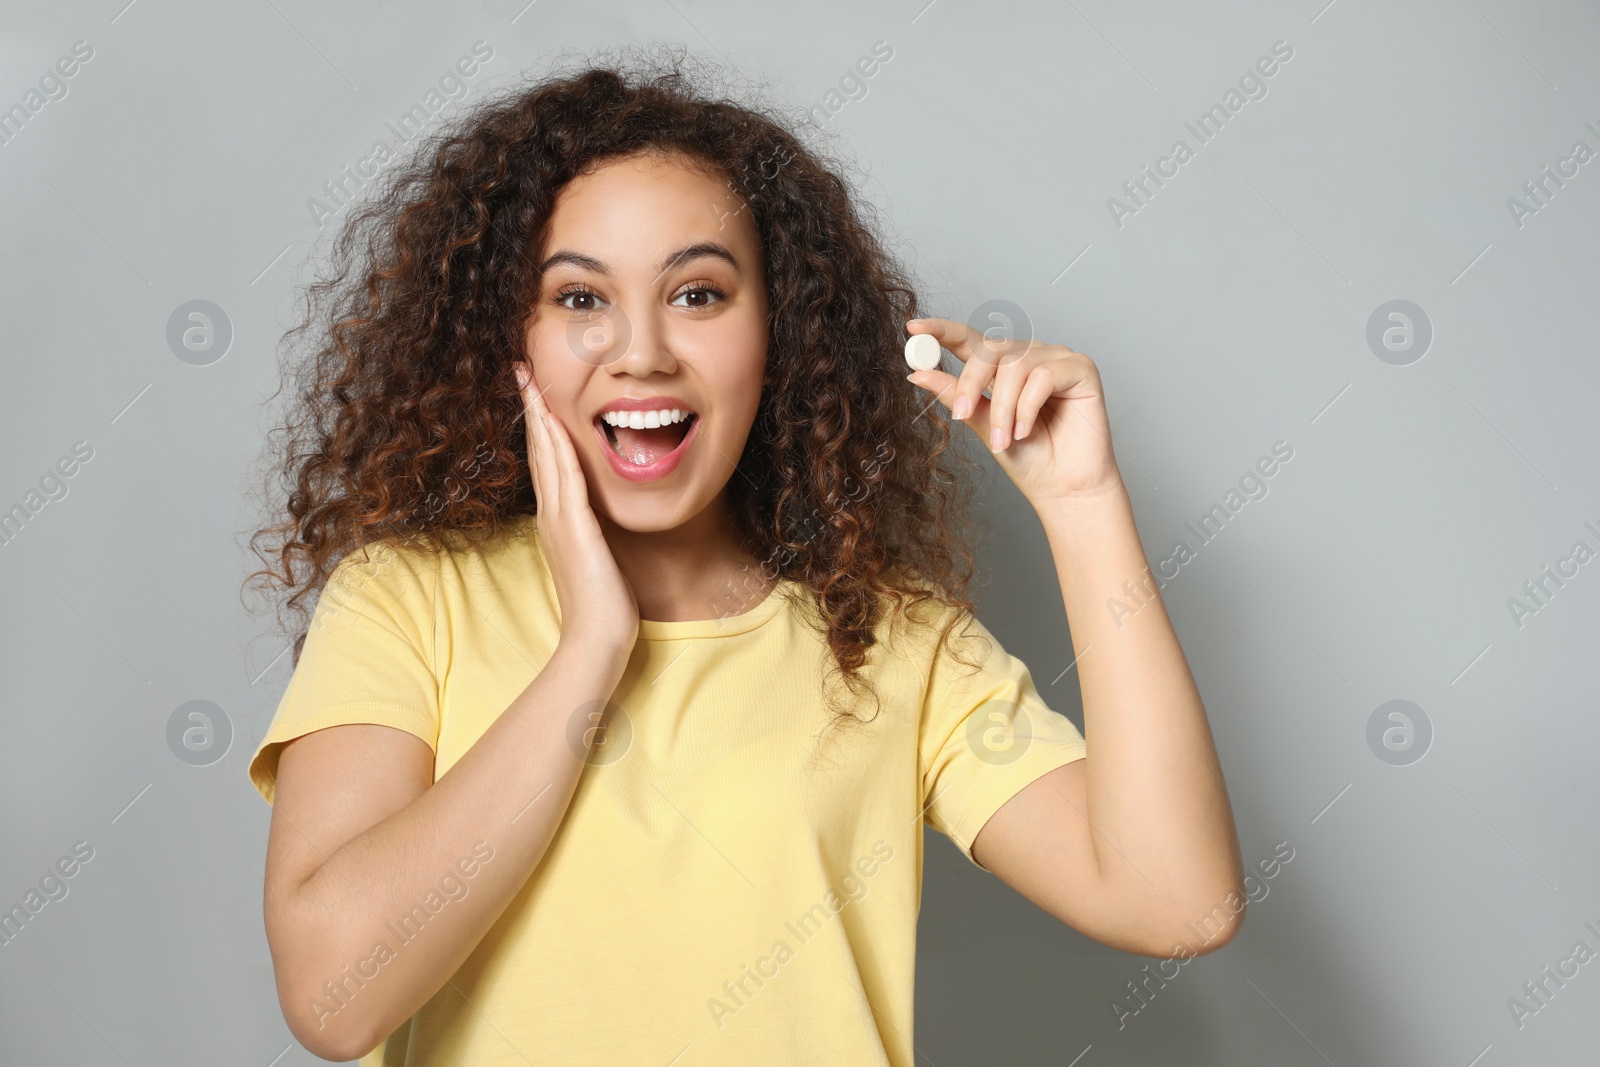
(724, 626)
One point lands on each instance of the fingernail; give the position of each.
(996, 435)
(962, 409)
(1021, 430)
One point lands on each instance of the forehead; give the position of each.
(626, 209)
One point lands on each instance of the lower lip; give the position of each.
(663, 466)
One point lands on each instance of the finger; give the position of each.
(1034, 393)
(1003, 397)
(546, 483)
(944, 385)
(564, 456)
(561, 470)
(520, 371)
(967, 343)
(979, 359)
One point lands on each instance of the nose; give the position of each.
(638, 344)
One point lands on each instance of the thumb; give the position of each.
(942, 384)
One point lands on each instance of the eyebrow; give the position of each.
(687, 252)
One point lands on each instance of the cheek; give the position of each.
(545, 347)
(560, 377)
(539, 343)
(745, 348)
(736, 360)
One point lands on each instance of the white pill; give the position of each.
(922, 351)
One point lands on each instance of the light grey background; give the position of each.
(1228, 313)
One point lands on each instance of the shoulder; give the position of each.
(387, 580)
(394, 566)
(383, 568)
(929, 628)
(445, 574)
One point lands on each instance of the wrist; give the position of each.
(596, 652)
(1085, 505)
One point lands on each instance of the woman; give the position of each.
(644, 650)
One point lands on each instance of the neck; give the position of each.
(694, 571)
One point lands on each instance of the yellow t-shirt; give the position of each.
(722, 890)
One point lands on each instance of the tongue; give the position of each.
(643, 447)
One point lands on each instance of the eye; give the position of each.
(700, 289)
(576, 290)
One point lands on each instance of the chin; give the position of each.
(643, 511)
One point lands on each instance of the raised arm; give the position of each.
(1134, 845)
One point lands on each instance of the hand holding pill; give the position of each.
(1044, 417)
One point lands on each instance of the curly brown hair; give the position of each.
(405, 429)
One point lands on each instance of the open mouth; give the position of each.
(642, 437)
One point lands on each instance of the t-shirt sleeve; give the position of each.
(368, 657)
(984, 735)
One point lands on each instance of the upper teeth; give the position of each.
(645, 420)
